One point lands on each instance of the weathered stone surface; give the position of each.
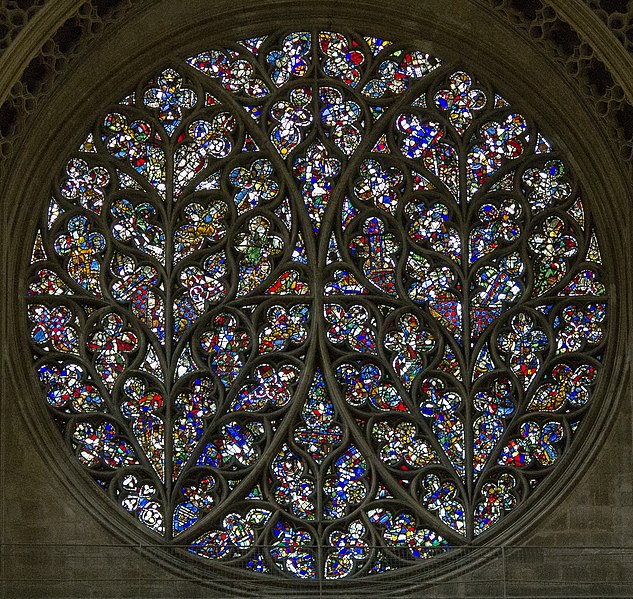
(52, 545)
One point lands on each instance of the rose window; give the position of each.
(317, 305)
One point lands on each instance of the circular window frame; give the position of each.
(58, 138)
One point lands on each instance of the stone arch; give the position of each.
(524, 70)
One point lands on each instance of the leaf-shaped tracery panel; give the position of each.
(317, 305)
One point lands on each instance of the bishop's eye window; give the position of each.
(317, 305)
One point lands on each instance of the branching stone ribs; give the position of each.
(314, 302)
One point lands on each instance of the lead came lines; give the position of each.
(317, 305)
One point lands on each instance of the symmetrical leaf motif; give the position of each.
(325, 333)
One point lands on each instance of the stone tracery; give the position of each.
(446, 281)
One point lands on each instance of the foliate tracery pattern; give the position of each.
(318, 305)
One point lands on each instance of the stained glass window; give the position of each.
(317, 305)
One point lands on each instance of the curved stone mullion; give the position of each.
(363, 151)
(521, 404)
(398, 492)
(281, 434)
(114, 412)
(260, 136)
